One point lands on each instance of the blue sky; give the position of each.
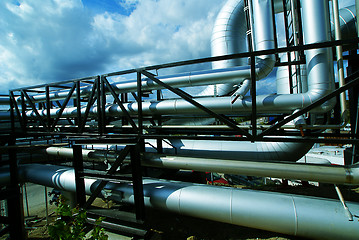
(53, 40)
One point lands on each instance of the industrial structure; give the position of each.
(114, 133)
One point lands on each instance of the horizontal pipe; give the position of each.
(87, 154)
(309, 172)
(302, 216)
(309, 217)
(318, 173)
(232, 150)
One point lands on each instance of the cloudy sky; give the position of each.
(52, 40)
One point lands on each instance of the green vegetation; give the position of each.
(71, 224)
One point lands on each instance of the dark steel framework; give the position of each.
(46, 126)
(132, 132)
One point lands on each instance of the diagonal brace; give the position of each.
(90, 101)
(29, 99)
(18, 114)
(190, 99)
(118, 101)
(112, 170)
(63, 107)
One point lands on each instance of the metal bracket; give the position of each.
(346, 209)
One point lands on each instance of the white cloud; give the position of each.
(52, 40)
(45, 41)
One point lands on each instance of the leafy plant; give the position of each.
(71, 224)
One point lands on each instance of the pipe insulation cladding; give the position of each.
(303, 216)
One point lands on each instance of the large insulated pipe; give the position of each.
(229, 37)
(213, 149)
(302, 216)
(233, 150)
(347, 23)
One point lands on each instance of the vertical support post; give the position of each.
(14, 201)
(137, 182)
(139, 104)
(78, 103)
(300, 29)
(48, 106)
(78, 169)
(124, 99)
(12, 113)
(139, 113)
(353, 66)
(275, 33)
(103, 104)
(253, 71)
(159, 140)
(47, 208)
(254, 98)
(99, 105)
(23, 109)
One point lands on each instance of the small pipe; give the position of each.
(340, 67)
(309, 172)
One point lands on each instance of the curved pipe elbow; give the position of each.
(264, 66)
(315, 95)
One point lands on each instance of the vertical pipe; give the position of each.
(289, 58)
(340, 67)
(47, 208)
